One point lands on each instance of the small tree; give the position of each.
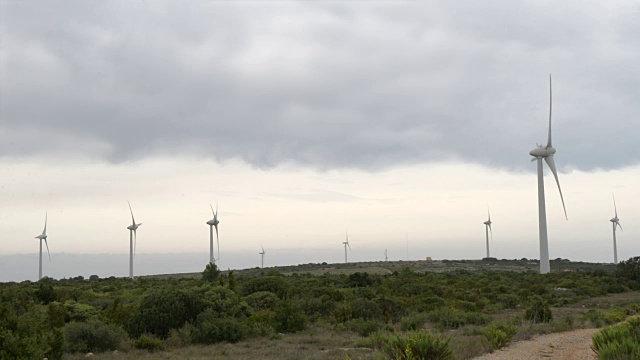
(210, 273)
(629, 269)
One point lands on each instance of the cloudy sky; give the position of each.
(305, 119)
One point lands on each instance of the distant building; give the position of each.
(429, 258)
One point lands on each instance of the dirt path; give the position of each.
(568, 345)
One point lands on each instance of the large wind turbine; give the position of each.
(213, 223)
(43, 236)
(132, 235)
(346, 244)
(546, 153)
(487, 229)
(262, 255)
(616, 223)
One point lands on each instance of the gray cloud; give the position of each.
(330, 85)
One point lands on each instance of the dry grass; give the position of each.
(314, 344)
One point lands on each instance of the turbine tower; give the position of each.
(132, 236)
(262, 255)
(346, 244)
(487, 229)
(213, 223)
(616, 223)
(43, 236)
(546, 153)
(385, 255)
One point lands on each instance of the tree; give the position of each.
(629, 269)
(210, 273)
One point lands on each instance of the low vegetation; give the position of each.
(618, 341)
(402, 310)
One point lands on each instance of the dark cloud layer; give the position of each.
(325, 85)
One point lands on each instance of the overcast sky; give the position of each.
(306, 119)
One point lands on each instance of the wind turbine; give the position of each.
(262, 255)
(616, 223)
(43, 236)
(487, 229)
(385, 255)
(132, 235)
(546, 153)
(346, 244)
(213, 223)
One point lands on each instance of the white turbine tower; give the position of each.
(487, 229)
(346, 244)
(132, 237)
(213, 223)
(546, 153)
(43, 236)
(385, 255)
(262, 256)
(616, 223)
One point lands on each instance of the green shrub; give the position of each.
(619, 341)
(362, 327)
(210, 328)
(148, 342)
(211, 273)
(289, 317)
(413, 321)
(447, 318)
(615, 315)
(163, 310)
(498, 335)
(365, 309)
(262, 300)
(629, 269)
(92, 336)
(538, 312)
(417, 345)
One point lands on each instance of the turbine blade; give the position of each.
(215, 215)
(552, 166)
(44, 232)
(213, 212)
(489, 213)
(133, 221)
(620, 226)
(45, 242)
(614, 205)
(550, 102)
(217, 242)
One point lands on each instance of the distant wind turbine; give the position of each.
(213, 223)
(346, 244)
(546, 153)
(385, 255)
(616, 223)
(43, 236)
(487, 229)
(262, 256)
(132, 237)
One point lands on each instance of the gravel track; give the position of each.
(570, 345)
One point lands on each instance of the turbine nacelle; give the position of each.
(213, 222)
(615, 220)
(134, 227)
(488, 222)
(542, 152)
(41, 237)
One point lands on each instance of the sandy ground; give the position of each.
(570, 345)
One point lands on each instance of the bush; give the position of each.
(413, 321)
(447, 318)
(93, 336)
(629, 269)
(262, 300)
(418, 345)
(148, 342)
(289, 317)
(365, 309)
(211, 328)
(539, 312)
(618, 341)
(362, 327)
(498, 335)
(211, 273)
(164, 310)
